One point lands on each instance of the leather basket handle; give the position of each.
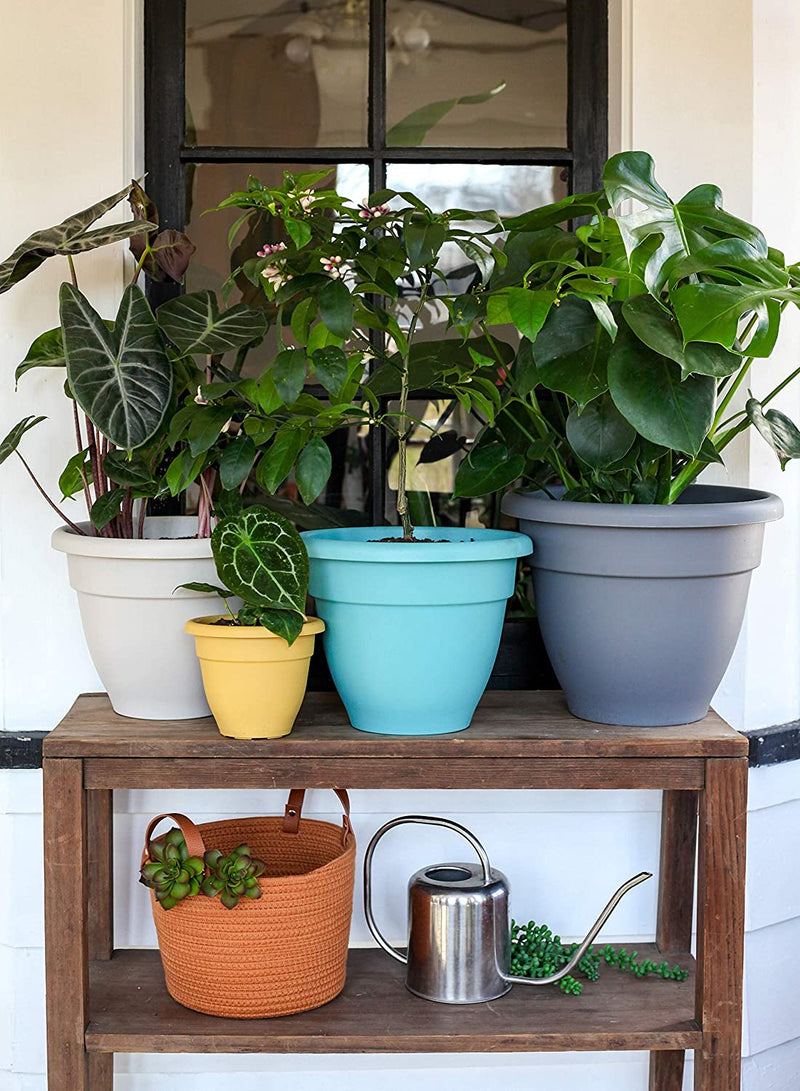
(294, 809)
(191, 835)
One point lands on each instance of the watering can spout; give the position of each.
(588, 941)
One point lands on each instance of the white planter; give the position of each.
(133, 618)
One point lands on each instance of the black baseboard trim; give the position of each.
(21, 750)
(768, 746)
(773, 745)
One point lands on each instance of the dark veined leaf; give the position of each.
(277, 461)
(10, 443)
(260, 556)
(68, 237)
(659, 330)
(651, 393)
(781, 434)
(289, 374)
(660, 230)
(171, 253)
(412, 129)
(131, 472)
(599, 435)
(571, 351)
(106, 507)
(284, 623)
(121, 378)
(313, 469)
(195, 324)
(236, 462)
(487, 469)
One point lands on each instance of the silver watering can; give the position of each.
(459, 945)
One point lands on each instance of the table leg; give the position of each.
(675, 900)
(100, 833)
(720, 924)
(66, 941)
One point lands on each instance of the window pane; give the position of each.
(209, 183)
(440, 51)
(507, 189)
(277, 73)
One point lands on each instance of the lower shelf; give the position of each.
(130, 1011)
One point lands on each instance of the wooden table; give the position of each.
(101, 1002)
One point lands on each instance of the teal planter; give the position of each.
(412, 631)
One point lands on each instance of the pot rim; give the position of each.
(462, 544)
(65, 540)
(204, 627)
(700, 506)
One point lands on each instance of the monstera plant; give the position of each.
(129, 376)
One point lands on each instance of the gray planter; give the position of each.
(640, 605)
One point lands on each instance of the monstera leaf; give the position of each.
(121, 378)
(69, 237)
(662, 229)
(262, 559)
(194, 323)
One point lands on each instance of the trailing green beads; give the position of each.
(536, 952)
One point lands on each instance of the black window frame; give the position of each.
(167, 155)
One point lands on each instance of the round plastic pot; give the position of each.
(640, 605)
(412, 630)
(133, 616)
(254, 681)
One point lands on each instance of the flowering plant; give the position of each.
(347, 294)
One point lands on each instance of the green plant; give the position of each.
(174, 875)
(536, 952)
(170, 871)
(638, 331)
(262, 559)
(129, 378)
(347, 294)
(234, 876)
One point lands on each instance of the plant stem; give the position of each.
(142, 515)
(55, 507)
(86, 491)
(140, 263)
(73, 275)
(403, 427)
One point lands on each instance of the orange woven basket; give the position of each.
(282, 953)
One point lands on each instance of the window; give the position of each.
(372, 88)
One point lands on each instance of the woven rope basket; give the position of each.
(283, 953)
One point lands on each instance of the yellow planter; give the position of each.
(254, 682)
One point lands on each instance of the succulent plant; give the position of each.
(171, 872)
(234, 876)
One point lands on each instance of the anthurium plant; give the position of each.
(128, 377)
(347, 293)
(261, 559)
(640, 332)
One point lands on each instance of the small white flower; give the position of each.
(333, 265)
(199, 399)
(268, 249)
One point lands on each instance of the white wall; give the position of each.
(711, 87)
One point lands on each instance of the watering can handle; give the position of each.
(424, 820)
(616, 898)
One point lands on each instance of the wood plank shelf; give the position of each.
(100, 1002)
(131, 1012)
